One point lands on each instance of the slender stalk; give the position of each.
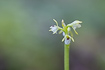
(66, 57)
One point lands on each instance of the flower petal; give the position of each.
(55, 22)
(76, 21)
(54, 29)
(63, 34)
(67, 40)
(68, 29)
(63, 24)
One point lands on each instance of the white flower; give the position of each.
(67, 40)
(75, 24)
(54, 29)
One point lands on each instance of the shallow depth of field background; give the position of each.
(26, 43)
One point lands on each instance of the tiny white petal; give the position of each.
(75, 22)
(63, 34)
(62, 21)
(79, 25)
(68, 29)
(76, 26)
(64, 24)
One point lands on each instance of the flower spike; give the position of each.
(67, 37)
(66, 30)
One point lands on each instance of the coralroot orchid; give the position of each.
(68, 36)
(66, 29)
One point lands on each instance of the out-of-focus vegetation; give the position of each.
(26, 43)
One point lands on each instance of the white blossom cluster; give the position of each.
(66, 30)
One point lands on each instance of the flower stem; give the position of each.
(66, 57)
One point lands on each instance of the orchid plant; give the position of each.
(68, 36)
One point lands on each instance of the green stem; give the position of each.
(66, 57)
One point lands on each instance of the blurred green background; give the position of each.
(26, 43)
